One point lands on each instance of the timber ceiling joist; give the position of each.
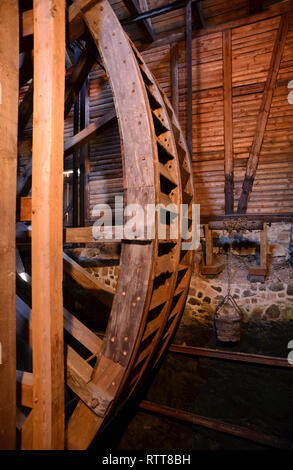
(147, 20)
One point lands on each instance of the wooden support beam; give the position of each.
(174, 58)
(199, 15)
(71, 324)
(210, 267)
(25, 212)
(145, 26)
(228, 121)
(9, 85)
(79, 372)
(26, 68)
(79, 74)
(75, 20)
(79, 377)
(231, 356)
(25, 109)
(216, 425)
(255, 6)
(23, 181)
(144, 9)
(268, 218)
(262, 269)
(263, 115)
(263, 247)
(85, 235)
(47, 225)
(75, 184)
(88, 133)
(104, 293)
(73, 86)
(209, 246)
(24, 386)
(189, 75)
(83, 156)
(241, 225)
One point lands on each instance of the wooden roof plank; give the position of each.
(253, 159)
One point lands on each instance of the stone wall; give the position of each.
(270, 300)
(108, 275)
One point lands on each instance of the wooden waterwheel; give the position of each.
(101, 373)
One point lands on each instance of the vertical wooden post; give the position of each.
(209, 245)
(9, 53)
(75, 156)
(83, 188)
(47, 201)
(174, 59)
(189, 75)
(228, 122)
(263, 247)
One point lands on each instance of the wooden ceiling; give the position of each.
(206, 13)
(168, 26)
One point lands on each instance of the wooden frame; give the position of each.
(263, 115)
(228, 121)
(47, 225)
(210, 267)
(9, 54)
(157, 169)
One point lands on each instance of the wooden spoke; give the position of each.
(84, 136)
(81, 276)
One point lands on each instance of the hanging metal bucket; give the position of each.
(228, 325)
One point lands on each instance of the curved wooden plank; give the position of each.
(136, 132)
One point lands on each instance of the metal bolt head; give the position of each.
(95, 403)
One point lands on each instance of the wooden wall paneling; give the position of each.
(255, 6)
(47, 225)
(75, 156)
(89, 132)
(228, 121)
(189, 75)
(174, 77)
(9, 84)
(253, 159)
(105, 179)
(84, 167)
(73, 85)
